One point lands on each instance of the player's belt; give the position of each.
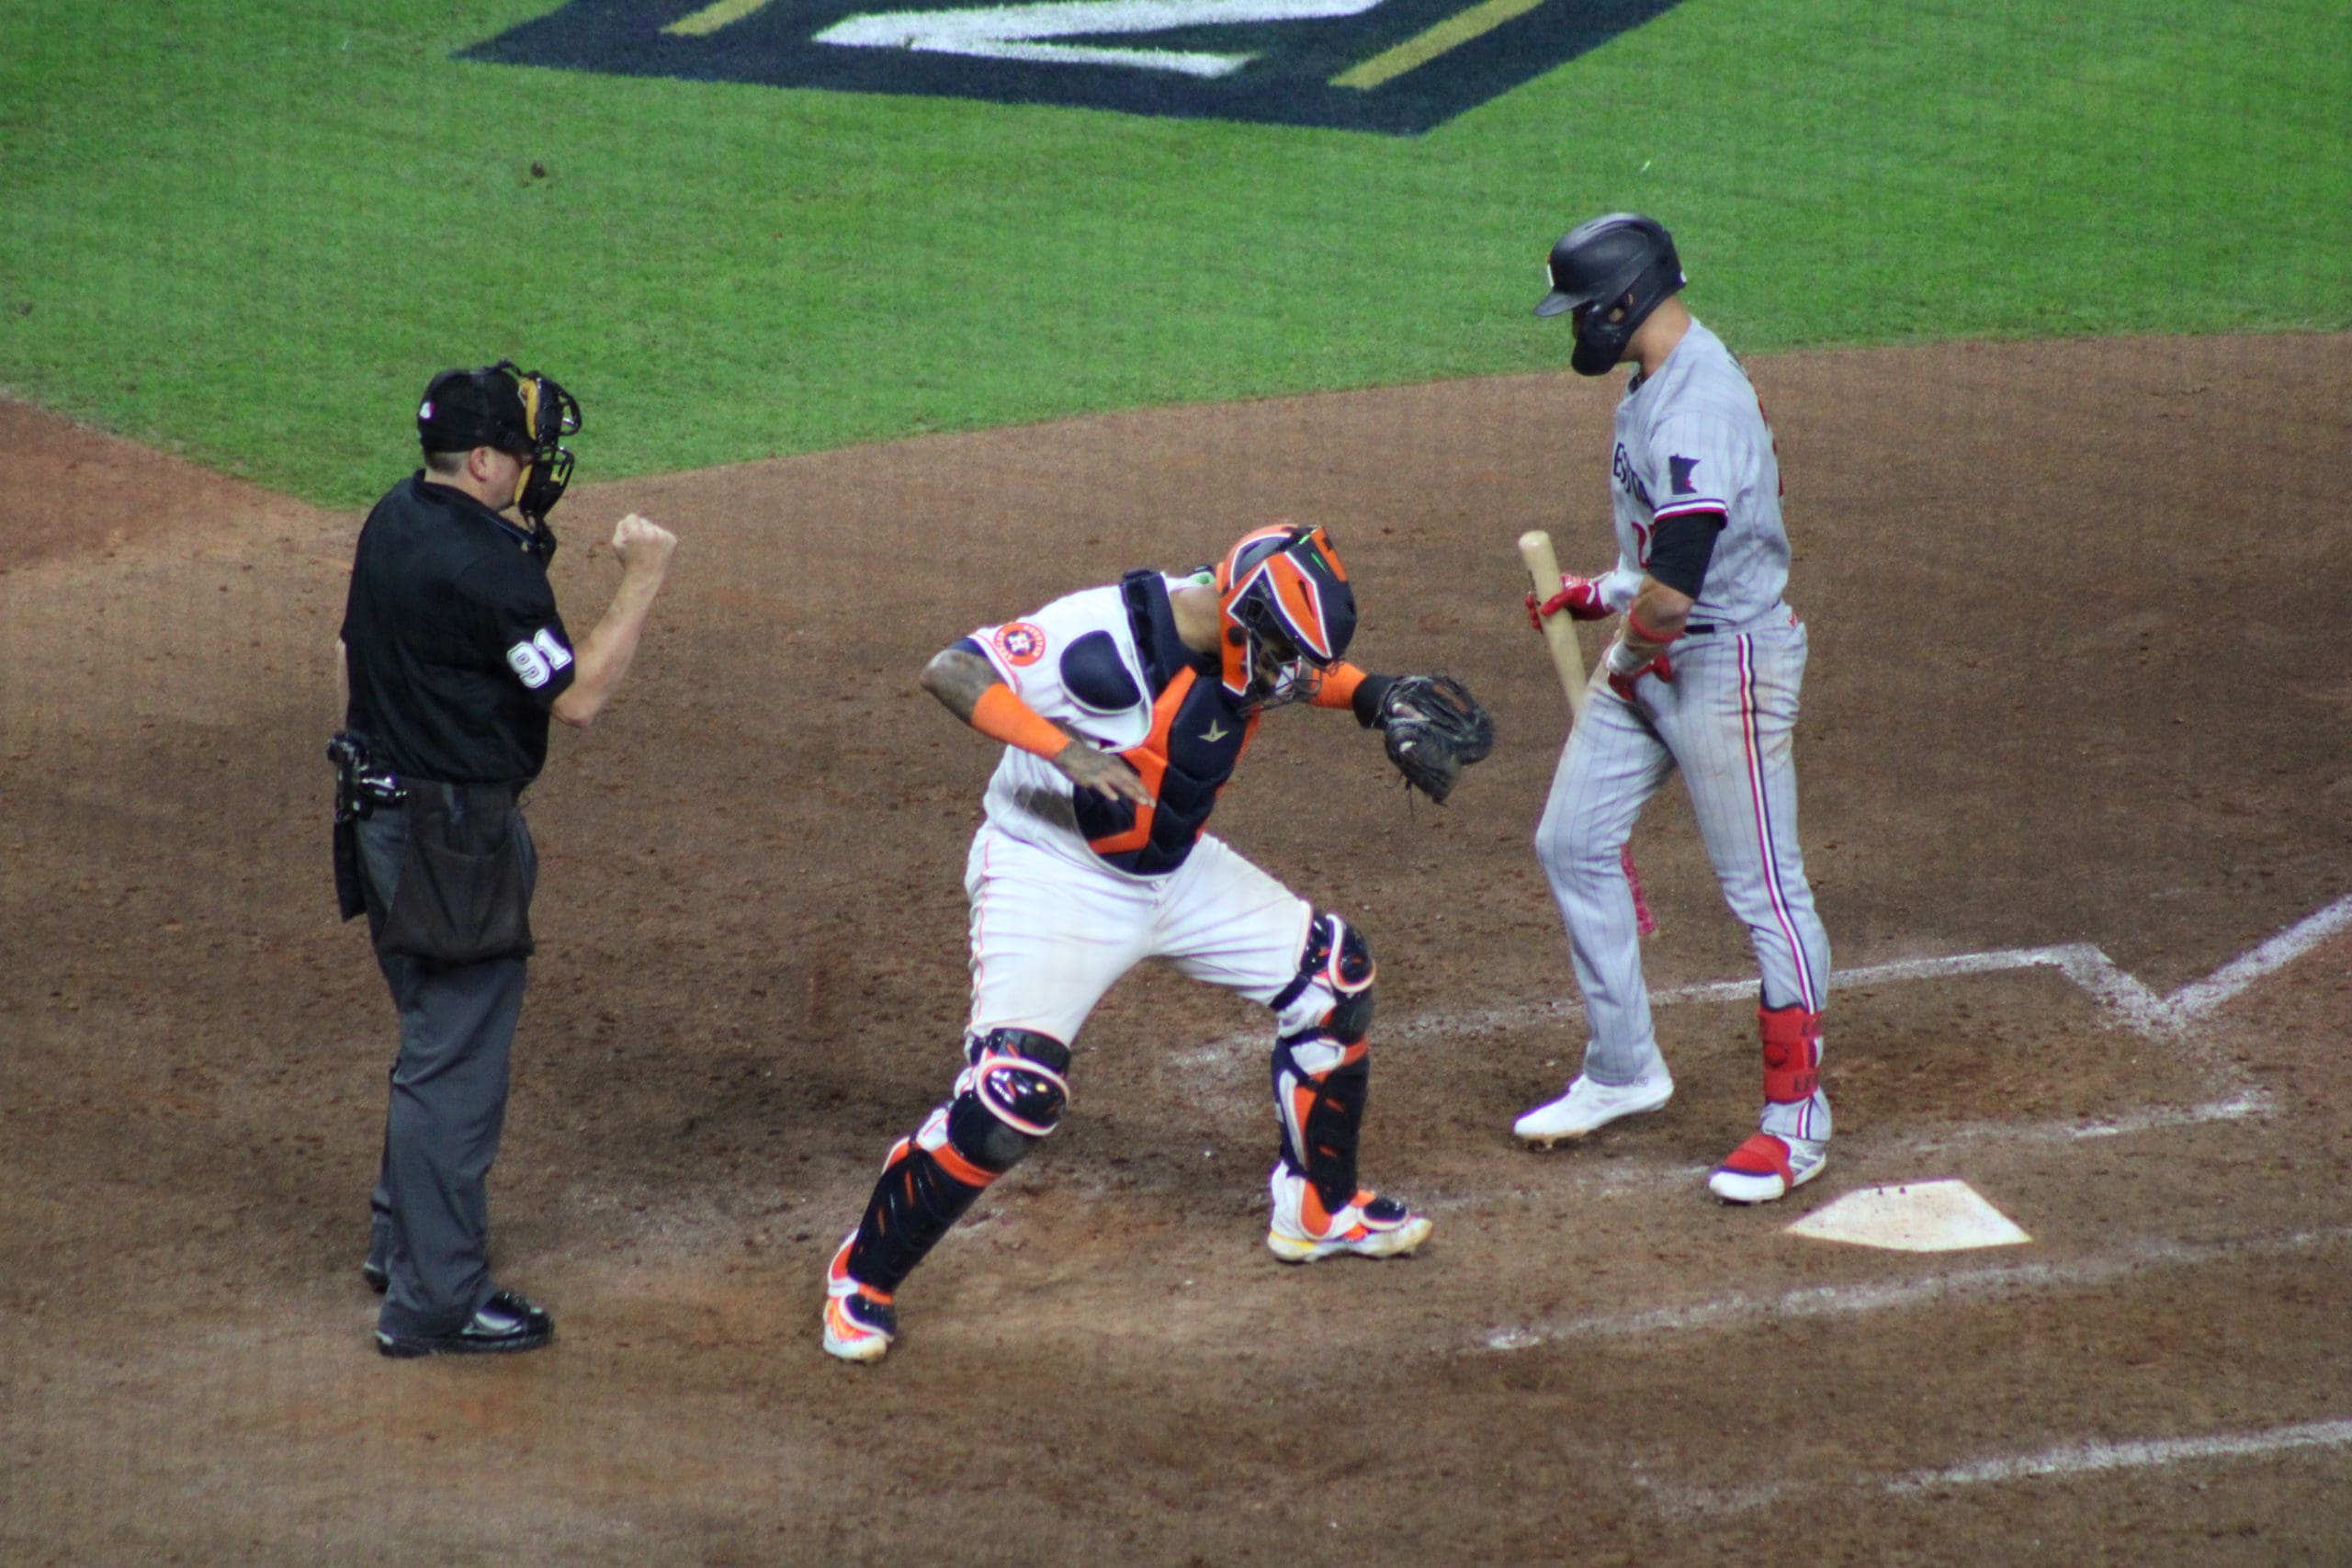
(1778, 616)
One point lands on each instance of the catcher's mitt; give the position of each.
(1434, 729)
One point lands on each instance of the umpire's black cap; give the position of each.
(466, 409)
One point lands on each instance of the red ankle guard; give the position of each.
(1791, 1053)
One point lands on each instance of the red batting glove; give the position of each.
(1580, 596)
(1621, 681)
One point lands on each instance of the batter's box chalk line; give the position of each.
(1940, 1287)
(2086, 1458)
(2124, 998)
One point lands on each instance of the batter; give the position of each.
(1124, 710)
(1703, 677)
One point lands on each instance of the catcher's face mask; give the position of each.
(1288, 611)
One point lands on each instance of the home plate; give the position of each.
(1920, 1216)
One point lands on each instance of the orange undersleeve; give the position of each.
(1339, 687)
(1003, 716)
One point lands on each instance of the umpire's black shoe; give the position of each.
(378, 1280)
(505, 1321)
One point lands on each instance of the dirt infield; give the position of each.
(2076, 702)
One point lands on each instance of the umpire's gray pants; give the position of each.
(431, 1218)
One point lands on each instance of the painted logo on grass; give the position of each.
(1400, 66)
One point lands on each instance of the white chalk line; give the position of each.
(2237, 1108)
(2064, 1459)
(2125, 996)
(2077, 1459)
(1741, 1310)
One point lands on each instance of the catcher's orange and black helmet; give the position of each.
(1289, 613)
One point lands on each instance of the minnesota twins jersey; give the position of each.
(1690, 439)
(1107, 662)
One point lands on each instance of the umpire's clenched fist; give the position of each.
(642, 544)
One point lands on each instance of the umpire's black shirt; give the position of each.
(450, 635)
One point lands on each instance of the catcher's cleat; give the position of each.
(1589, 1105)
(1766, 1167)
(859, 1321)
(379, 1278)
(1370, 1226)
(504, 1324)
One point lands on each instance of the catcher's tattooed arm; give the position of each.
(968, 686)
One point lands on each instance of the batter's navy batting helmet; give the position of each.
(1622, 259)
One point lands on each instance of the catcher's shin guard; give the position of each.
(1791, 1142)
(1010, 1096)
(1322, 1067)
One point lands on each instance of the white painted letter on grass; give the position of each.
(1009, 32)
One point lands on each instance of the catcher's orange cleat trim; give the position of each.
(859, 1321)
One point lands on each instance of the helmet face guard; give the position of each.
(1620, 261)
(1289, 615)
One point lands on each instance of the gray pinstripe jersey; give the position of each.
(1692, 438)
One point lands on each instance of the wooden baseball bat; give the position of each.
(1567, 658)
(1559, 631)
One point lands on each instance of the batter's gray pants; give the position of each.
(431, 1208)
(1727, 722)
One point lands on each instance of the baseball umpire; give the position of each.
(1703, 677)
(1124, 710)
(453, 656)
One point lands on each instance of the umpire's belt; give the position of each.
(463, 800)
(1778, 616)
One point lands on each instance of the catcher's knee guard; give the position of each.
(1009, 1095)
(1322, 1065)
(1332, 990)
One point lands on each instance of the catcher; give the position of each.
(1123, 710)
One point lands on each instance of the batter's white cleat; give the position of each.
(1370, 1226)
(1766, 1167)
(860, 1321)
(1589, 1105)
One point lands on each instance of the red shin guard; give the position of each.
(1791, 1053)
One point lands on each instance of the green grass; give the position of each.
(251, 231)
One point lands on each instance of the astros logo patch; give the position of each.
(1398, 66)
(1019, 643)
